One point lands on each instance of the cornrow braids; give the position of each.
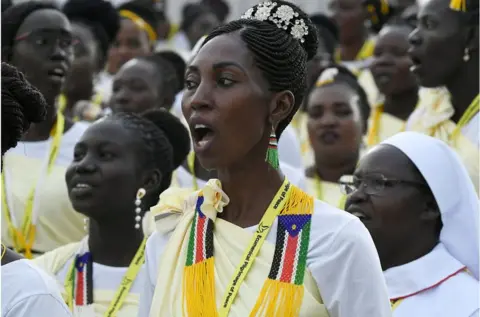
(166, 141)
(22, 104)
(281, 58)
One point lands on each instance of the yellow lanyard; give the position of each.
(276, 206)
(122, 291)
(24, 238)
(471, 111)
(319, 192)
(191, 168)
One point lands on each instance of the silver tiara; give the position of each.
(283, 17)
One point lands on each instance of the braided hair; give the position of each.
(281, 58)
(345, 76)
(166, 141)
(22, 104)
(13, 18)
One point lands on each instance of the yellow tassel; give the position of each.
(199, 290)
(299, 203)
(372, 138)
(458, 5)
(278, 299)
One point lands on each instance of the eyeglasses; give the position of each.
(47, 39)
(373, 184)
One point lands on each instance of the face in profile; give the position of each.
(391, 199)
(437, 44)
(226, 103)
(105, 156)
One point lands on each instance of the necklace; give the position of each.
(79, 283)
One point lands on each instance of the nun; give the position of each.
(416, 198)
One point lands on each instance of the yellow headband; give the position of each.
(152, 35)
(458, 5)
(327, 77)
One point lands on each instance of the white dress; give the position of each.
(435, 285)
(28, 291)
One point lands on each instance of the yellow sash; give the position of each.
(229, 244)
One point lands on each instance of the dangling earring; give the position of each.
(466, 55)
(85, 224)
(272, 151)
(138, 202)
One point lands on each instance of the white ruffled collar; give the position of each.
(424, 273)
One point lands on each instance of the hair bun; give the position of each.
(289, 17)
(175, 131)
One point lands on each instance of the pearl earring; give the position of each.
(85, 224)
(138, 202)
(466, 55)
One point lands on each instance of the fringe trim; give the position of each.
(458, 5)
(279, 299)
(299, 203)
(199, 289)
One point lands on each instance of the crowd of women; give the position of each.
(278, 164)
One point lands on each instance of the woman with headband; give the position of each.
(213, 253)
(136, 37)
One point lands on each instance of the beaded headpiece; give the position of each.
(283, 16)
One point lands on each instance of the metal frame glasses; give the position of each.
(373, 184)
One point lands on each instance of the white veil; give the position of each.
(453, 190)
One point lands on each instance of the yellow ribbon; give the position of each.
(276, 206)
(122, 291)
(191, 168)
(471, 111)
(24, 238)
(141, 23)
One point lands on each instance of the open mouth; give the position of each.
(417, 62)
(359, 213)
(329, 137)
(202, 135)
(57, 74)
(81, 189)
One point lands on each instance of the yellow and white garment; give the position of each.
(357, 289)
(362, 60)
(326, 191)
(444, 282)
(381, 125)
(56, 222)
(107, 279)
(432, 117)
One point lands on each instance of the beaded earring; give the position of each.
(138, 210)
(272, 151)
